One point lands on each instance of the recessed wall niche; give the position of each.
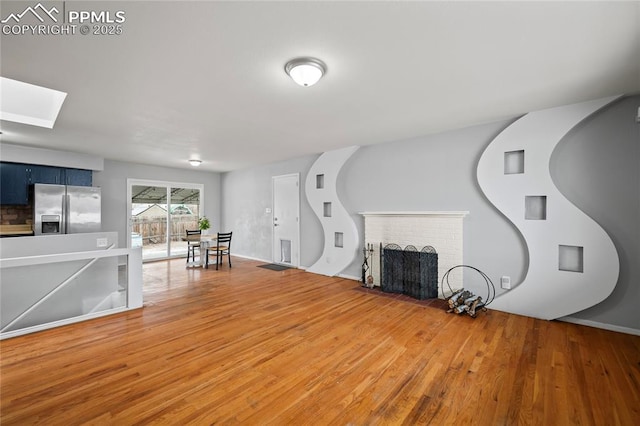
(327, 209)
(535, 207)
(319, 181)
(513, 162)
(571, 258)
(339, 239)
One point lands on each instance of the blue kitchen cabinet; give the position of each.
(60, 176)
(14, 184)
(15, 179)
(46, 174)
(78, 177)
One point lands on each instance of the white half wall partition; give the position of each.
(340, 232)
(573, 264)
(49, 281)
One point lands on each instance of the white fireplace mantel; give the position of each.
(417, 213)
(441, 230)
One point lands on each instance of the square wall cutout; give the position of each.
(513, 162)
(327, 209)
(319, 181)
(535, 207)
(571, 258)
(339, 239)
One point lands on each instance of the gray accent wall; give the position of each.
(113, 181)
(248, 193)
(597, 166)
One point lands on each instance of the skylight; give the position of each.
(29, 104)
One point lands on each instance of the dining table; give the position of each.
(206, 242)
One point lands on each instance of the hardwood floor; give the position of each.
(254, 346)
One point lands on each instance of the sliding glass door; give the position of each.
(160, 213)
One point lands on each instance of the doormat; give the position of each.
(274, 267)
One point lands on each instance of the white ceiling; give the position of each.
(206, 79)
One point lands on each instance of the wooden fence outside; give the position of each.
(153, 230)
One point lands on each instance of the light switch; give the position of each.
(101, 242)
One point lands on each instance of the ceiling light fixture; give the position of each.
(305, 71)
(195, 163)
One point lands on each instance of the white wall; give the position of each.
(113, 181)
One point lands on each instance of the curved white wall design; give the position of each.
(340, 232)
(573, 264)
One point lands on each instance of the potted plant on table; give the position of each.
(204, 224)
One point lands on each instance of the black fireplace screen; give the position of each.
(409, 271)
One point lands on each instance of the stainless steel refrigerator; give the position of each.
(62, 209)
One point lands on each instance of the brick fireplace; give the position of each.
(442, 230)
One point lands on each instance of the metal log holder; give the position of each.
(465, 302)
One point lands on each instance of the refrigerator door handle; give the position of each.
(65, 213)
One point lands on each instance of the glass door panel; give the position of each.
(184, 213)
(149, 221)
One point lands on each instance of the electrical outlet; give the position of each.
(505, 282)
(101, 242)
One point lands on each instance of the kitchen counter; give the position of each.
(16, 231)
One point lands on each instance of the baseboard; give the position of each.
(602, 325)
(350, 277)
(250, 257)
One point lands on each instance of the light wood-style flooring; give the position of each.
(252, 346)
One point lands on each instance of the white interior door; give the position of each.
(286, 220)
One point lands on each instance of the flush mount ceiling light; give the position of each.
(195, 163)
(305, 71)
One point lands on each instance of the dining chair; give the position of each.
(193, 244)
(221, 248)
